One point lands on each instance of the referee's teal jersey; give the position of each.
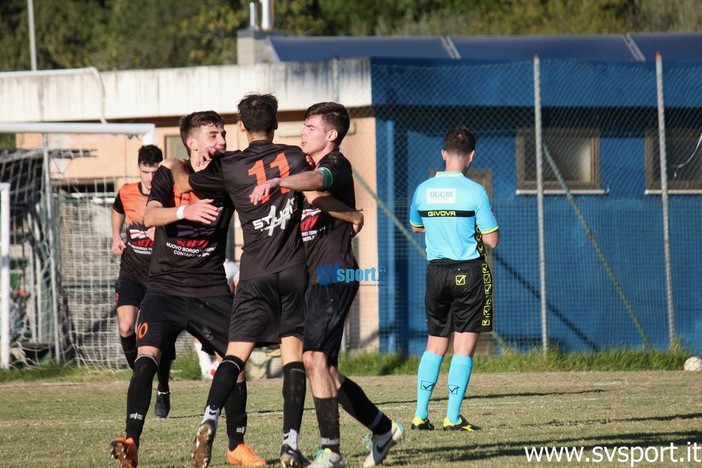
(450, 207)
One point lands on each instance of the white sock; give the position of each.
(203, 358)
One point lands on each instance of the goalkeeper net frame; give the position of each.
(33, 319)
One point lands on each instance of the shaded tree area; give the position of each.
(125, 34)
(121, 34)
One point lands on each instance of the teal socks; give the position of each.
(458, 378)
(427, 375)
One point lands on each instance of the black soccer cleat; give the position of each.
(163, 405)
(462, 425)
(420, 424)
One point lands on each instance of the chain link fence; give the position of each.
(582, 261)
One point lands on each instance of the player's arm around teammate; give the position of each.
(269, 304)
(314, 185)
(188, 290)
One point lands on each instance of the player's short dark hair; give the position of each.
(334, 115)
(460, 140)
(194, 121)
(150, 155)
(259, 113)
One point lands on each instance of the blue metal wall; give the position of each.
(611, 298)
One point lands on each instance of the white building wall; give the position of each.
(82, 94)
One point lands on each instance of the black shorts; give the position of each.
(129, 292)
(270, 307)
(459, 298)
(163, 317)
(326, 310)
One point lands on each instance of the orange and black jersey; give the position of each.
(271, 229)
(188, 257)
(131, 202)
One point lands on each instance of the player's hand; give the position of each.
(202, 160)
(151, 233)
(202, 211)
(118, 246)
(263, 190)
(357, 223)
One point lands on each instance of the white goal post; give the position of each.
(146, 130)
(5, 275)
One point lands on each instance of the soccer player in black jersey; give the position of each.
(328, 246)
(187, 286)
(269, 303)
(128, 208)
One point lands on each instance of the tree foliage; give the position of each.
(125, 34)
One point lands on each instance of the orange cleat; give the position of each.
(125, 451)
(245, 456)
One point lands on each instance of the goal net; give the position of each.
(62, 182)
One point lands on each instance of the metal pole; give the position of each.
(32, 44)
(336, 81)
(664, 201)
(51, 229)
(540, 200)
(5, 276)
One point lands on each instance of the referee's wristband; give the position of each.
(180, 212)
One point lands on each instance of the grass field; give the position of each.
(64, 423)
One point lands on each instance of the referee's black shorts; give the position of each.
(458, 297)
(270, 307)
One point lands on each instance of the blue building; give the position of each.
(604, 233)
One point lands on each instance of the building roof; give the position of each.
(291, 49)
(676, 47)
(591, 47)
(606, 47)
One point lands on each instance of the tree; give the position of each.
(126, 34)
(65, 33)
(14, 48)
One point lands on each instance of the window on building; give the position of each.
(575, 152)
(175, 148)
(684, 160)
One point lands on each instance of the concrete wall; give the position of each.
(86, 95)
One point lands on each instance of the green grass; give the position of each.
(67, 415)
(533, 361)
(371, 364)
(64, 423)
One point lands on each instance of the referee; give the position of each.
(454, 214)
